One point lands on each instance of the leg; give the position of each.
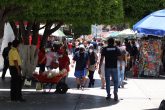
(102, 82)
(83, 75)
(78, 78)
(107, 79)
(122, 75)
(119, 76)
(16, 85)
(91, 82)
(6, 66)
(42, 68)
(115, 80)
(90, 78)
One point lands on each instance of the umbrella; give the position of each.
(114, 34)
(126, 33)
(57, 33)
(153, 24)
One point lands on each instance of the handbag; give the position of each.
(27, 82)
(39, 86)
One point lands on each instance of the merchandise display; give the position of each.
(150, 57)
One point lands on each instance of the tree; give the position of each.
(78, 13)
(134, 10)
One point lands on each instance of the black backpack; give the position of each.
(162, 105)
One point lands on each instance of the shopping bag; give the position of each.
(38, 86)
(27, 82)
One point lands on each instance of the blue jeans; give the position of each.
(121, 73)
(111, 72)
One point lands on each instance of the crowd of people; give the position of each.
(110, 58)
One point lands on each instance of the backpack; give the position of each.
(162, 105)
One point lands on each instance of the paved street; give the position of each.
(138, 94)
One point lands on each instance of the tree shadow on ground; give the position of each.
(152, 109)
(51, 101)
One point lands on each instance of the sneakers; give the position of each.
(78, 86)
(115, 97)
(108, 98)
(82, 87)
(89, 86)
(18, 100)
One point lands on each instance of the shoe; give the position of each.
(122, 85)
(89, 86)
(82, 87)
(3, 78)
(78, 86)
(14, 100)
(102, 87)
(22, 100)
(108, 97)
(115, 97)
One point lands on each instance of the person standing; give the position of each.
(123, 61)
(42, 59)
(92, 65)
(70, 47)
(81, 59)
(111, 54)
(15, 72)
(6, 59)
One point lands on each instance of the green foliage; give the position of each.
(69, 11)
(134, 10)
(79, 30)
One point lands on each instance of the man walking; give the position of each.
(111, 54)
(82, 60)
(6, 59)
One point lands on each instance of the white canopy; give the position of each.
(127, 32)
(57, 33)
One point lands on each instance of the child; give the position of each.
(64, 62)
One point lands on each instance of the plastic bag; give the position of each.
(39, 86)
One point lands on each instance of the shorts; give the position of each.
(80, 73)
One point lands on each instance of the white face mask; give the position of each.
(90, 50)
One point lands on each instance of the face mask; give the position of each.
(90, 50)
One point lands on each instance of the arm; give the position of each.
(17, 66)
(101, 62)
(96, 58)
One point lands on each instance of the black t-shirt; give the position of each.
(111, 54)
(6, 52)
(81, 60)
(134, 50)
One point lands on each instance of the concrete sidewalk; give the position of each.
(138, 94)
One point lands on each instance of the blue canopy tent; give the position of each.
(153, 24)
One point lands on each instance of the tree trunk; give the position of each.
(2, 24)
(48, 31)
(29, 52)
(29, 55)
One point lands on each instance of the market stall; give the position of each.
(150, 47)
(150, 57)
